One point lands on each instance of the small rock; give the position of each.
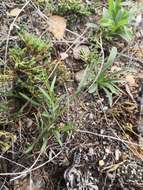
(91, 116)
(117, 154)
(79, 75)
(108, 151)
(81, 50)
(91, 151)
(101, 163)
(100, 100)
(140, 139)
(115, 68)
(139, 20)
(110, 176)
(63, 55)
(105, 108)
(101, 131)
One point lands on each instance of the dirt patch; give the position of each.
(55, 134)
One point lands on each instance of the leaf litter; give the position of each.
(99, 150)
(57, 26)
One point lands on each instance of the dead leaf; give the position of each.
(137, 150)
(129, 92)
(14, 12)
(57, 26)
(130, 80)
(128, 126)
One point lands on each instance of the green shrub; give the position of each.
(115, 20)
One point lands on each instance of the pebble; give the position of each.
(117, 154)
(107, 150)
(91, 151)
(91, 116)
(101, 163)
(79, 75)
(105, 108)
(63, 55)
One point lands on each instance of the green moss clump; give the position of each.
(33, 64)
(68, 7)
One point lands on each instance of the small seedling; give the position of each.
(106, 80)
(49, 110)
(115, 20)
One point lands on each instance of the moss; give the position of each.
(68, 7)
(36, 46)
(59, 68)
(34, 66)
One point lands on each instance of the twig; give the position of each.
(2, 157)
(27, 171)
(11, 27)
(105, 136)
(3, 185)
(131, 58)
(77, 39)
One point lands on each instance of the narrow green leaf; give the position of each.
(109, 96)
(93, 88)
(126, 35)
(111, 5)
(53, 84)
(58, 137)
(106, 13)
(29, 149)
(46, 95)
(67, 127)
(83, 80)
(29, 99)
(46, 114)
(111, 58)
(112, 89)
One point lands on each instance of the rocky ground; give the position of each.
(104, 147)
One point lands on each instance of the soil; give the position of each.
(105, 149)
